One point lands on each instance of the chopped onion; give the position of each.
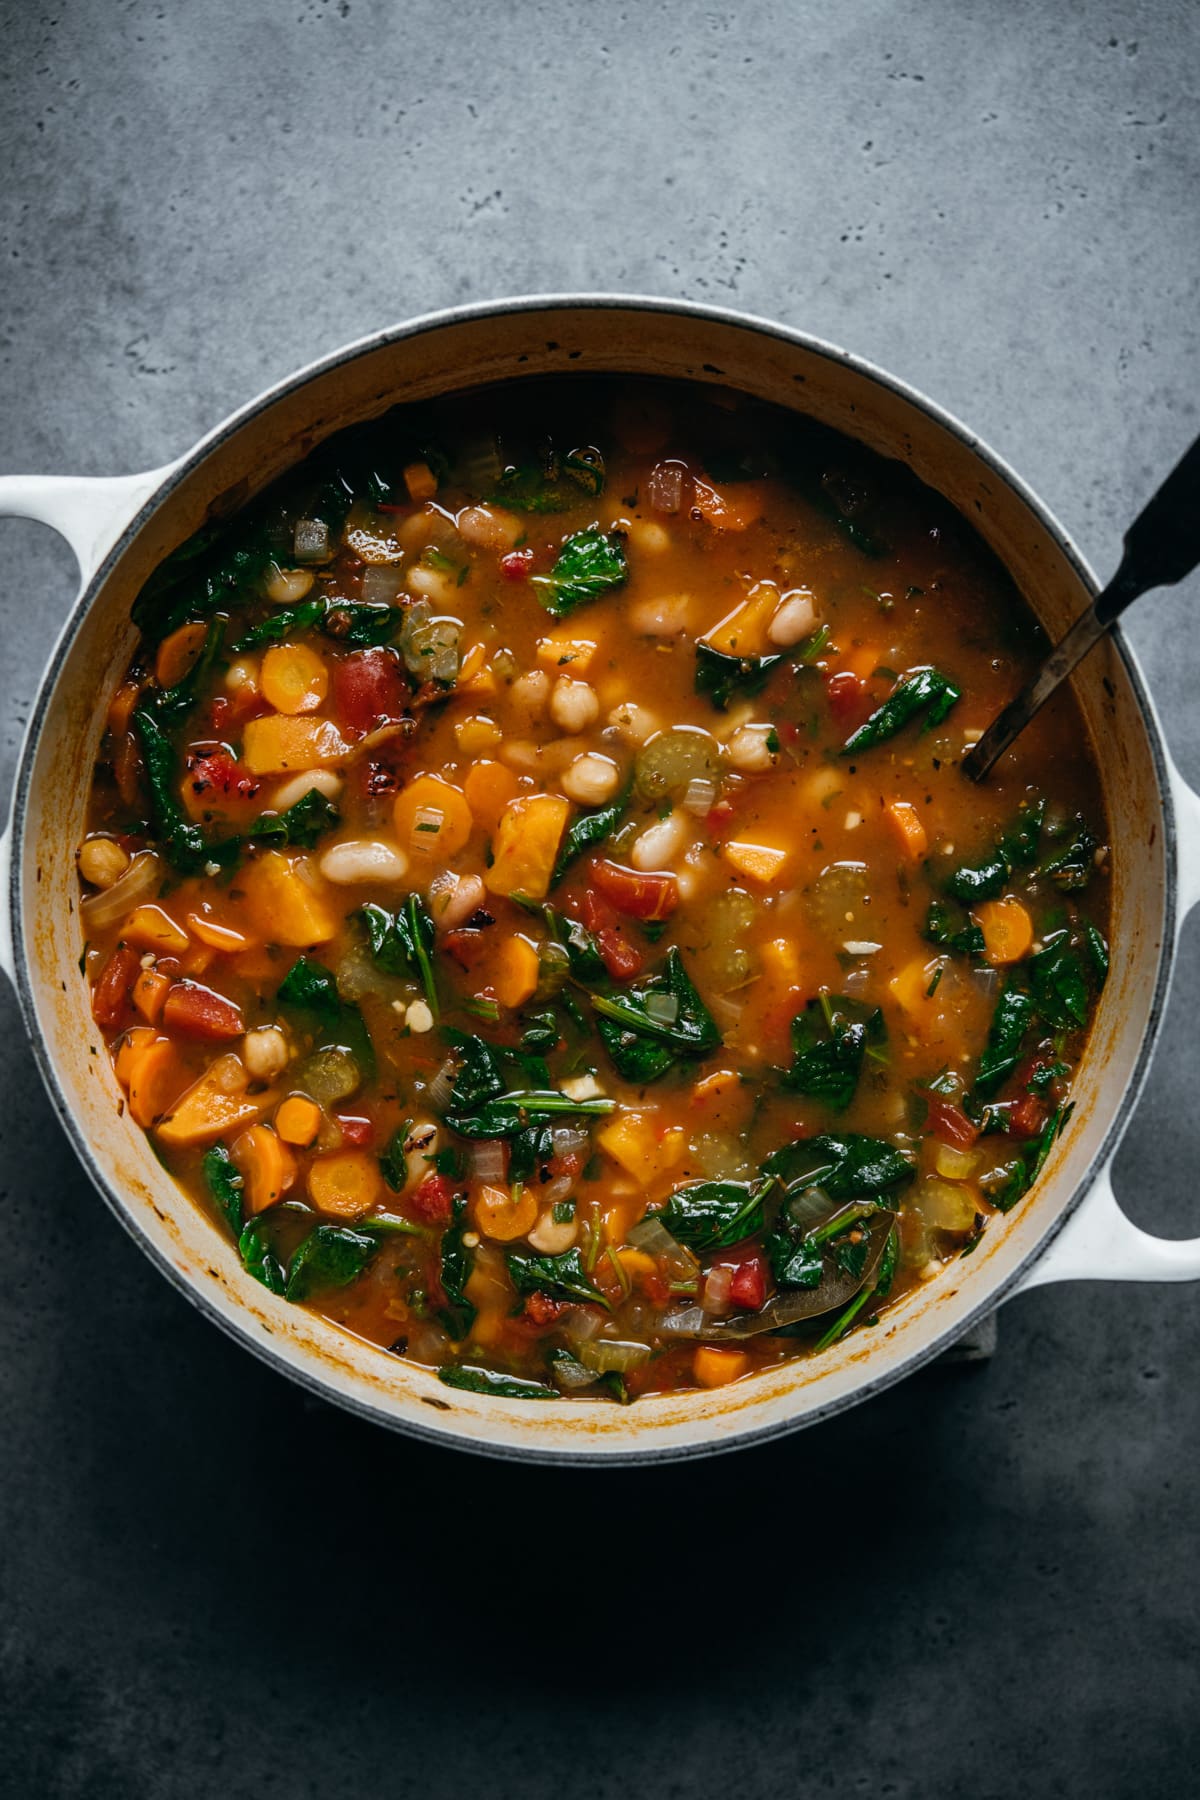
(381, 585)
(662, 1008)
(986, 980)
(860, 947)
(329, 1075)
(554, 966)
(437, 1094)
(426, 829)
(664, 489)
(717, 1283)
(505, 665)
(583, 1323)
(652, 1236)
(486, 1159)
(556, 1190)
(946, 1207)
(139, 883)
(310, 541)
(701, 796)
(570, 1374)
(955, 1164)
(606, 1354)
(685, 1323)
(569, 1140)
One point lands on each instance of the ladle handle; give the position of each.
(1163, 543)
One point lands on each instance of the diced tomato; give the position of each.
(950, 1122)
(849, 701)
(217, 774)
(466, 947)
(516, 565)
(195, 1011)
(1028, 1116)
(621, 958)
(748, 1288)
(369, 689)
(636, 895)
(433, 1201)
(356, 1131)
(541, 1310)
(111, 993)
(719, 818)
(570, 1165)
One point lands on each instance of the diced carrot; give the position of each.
(761, 863)
(345, 1185)
(1007, 929)
(110, 995)
(257, 963)
(420, 481)
(293, 678)
(731, 510)
(515, 971)
(199, 1012)
(781, 966)
(643, 1149)
(267, 1165)
(563, 649)
(196, 959)
(862, 661)
(714, 1088)
(526, 845)
(910, 990)
(158, 1075)
(431, 818)
(218, 937)
(279, 742)
(474, 677)
(286, 900)
(214, 1105)
(149, 994)
(150, 928)
(743, 632)
(715, 1364)
(178, 652)
(502, 1215)
(135, 1040)
(908, 830)
(121, 710)
(298, 1120)
(489, 786)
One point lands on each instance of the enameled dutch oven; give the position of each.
(1069, 1227)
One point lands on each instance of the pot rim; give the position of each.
(295, 1365)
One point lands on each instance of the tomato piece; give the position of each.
(356, 1131)
(191, 1010)
(541, 1310)
(1028, 1116)
(114, 987)
(468, 948)
(433, 1201)
(621, 958)
(748, 1288)
(217, 774)
(950, 1122)
(719, 818)
(369, 690)
(849, 701)
(636, 895)
(516, 565)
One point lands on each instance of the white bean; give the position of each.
(749, 749)
(649, 537)
(418, 1017)
(489, 527)
(573, 704)
(665, 616)
(264, 1052)
(420, 1145)
(661, 843)
(363, 859)
(432, 584)
(632, 723)
(794, 618)
(551, 1236)
(296, 786)
(241, 677)
(453, 898)
(102, 862)
(531, 692)
(591, 780)
(286, 586)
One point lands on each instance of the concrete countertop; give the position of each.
(982, 1583)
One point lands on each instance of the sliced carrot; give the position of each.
(345, 1185)
(563, 650)
(909, 832)
(910, 990)
(500, 1214)
(267, 1165)
(716, 1087)
(431, 818)
(298, 1120)
(218, 937)
(489, 786)
(733, 509)
(157, 1076)
(515, 971)
(743, 632)
(149, 994)
(420, 481)
(526, 845)
(715, 1364)
(121, 710)
(279, 744)
(214, 1105)
(150, 928)
(294, 679)
(286, 900)
(177, 654)
(1007, 929)
(761, 863)
(134, 1041)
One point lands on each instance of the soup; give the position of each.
(532, 900)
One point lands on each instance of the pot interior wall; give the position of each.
(239, 461)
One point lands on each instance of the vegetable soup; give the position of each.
(533, 903)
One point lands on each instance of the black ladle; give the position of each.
(1161, 547)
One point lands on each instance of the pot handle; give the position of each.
(1100, 1243)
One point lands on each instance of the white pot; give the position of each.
(120, 529)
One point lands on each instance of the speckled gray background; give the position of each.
(983, 1583)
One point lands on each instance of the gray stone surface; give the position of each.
(983, 1583)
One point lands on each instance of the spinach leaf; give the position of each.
(876, 1289)
(301, 824)
(719, 676)
(1016, 848)
(172, 705)
(284, 622)
(393, 1164)
(848, 1165)
(712, 1215)
(479, 1078)
(358, 625)
(807, 1255)
(589, 564)
(487, 1381)
(1011, 1020)
(529, 1151)
(186, 846)
(1072, 867)
(920, 690)
(583, 952)
(829, 1041)
(562, 1277)
(332, 1256)
(542, 1032)
(644, 1045)
(312, 988)
(400, 943)
(458, 1313)
(509, 1114)
(258, 1255)
(1059, 982)
(588, 829)
(204, 574)
(1028, 1163)
(1097, 950)
(952, 931)
(555, 484)
(224, 1183)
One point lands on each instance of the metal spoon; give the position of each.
(1161, 547)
